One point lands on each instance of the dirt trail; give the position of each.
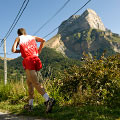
(7, 116)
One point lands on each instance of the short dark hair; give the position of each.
(21, 31)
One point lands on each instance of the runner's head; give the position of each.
(21, 31)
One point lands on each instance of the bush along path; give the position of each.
(87, 92)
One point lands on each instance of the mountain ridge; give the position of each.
(2, 58)
(84, 33)
(89, 19)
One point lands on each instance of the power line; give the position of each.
(80, 8)
(7, 35)
(1, 39)
(51, 32)
(18, 17)
(69, 18)
(52, 17)
(15, 20)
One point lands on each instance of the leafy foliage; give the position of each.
(69, 81)
(96, 82)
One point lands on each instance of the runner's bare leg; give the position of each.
(32, 76)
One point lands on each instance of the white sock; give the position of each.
(31, 102)
(46, 96)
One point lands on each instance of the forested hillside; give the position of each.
(52, 61)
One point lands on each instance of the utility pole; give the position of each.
(5, 63)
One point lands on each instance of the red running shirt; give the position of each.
(29, 52)
(28, 46)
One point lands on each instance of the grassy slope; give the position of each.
(67, 112)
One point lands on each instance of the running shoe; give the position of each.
(49, 104)
(28, 107)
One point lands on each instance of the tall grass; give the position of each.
(17, 92)
(13, 92)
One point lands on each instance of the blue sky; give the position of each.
(39, 11)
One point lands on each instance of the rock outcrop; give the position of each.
(89, 19)
(84, 33)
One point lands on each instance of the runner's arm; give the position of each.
(38, 39)
(15, 45)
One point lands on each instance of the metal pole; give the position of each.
(5, 63)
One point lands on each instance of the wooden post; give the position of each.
(5, 63)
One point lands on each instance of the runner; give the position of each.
(31, 64)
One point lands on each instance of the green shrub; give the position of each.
(96, 82)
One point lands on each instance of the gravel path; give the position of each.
(7, 116)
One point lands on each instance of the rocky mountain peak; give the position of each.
(89, 19)
(84, 33)
(93, 19)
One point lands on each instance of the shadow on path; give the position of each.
(7, 116)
